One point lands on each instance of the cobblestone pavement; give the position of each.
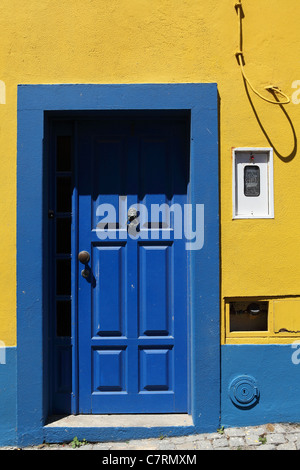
(265, 437)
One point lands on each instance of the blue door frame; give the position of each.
(34, 104)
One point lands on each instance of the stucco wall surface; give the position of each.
(169, 41)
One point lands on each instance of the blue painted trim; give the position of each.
(33, 101)
(8, 399)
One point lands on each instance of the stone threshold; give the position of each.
(120, 421)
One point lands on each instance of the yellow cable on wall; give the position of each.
(240, 58)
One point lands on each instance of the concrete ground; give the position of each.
(265, 437)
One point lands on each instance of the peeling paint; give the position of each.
(2, 92)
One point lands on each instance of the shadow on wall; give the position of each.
(241, 61)
(292, 154)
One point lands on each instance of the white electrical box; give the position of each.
(253, 183)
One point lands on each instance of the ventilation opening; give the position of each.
(249, 316)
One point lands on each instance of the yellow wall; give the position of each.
(167, 41)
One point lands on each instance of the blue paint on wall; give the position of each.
(201, 100)
(53, 435)
(8, 399)
(278, 380)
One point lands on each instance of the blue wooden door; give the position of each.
(132, 294)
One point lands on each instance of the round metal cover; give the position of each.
(243, 391)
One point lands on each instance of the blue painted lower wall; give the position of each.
(8, 397)
(278, 380)
(273, 367)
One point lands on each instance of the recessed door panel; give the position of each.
(108, 294)
(155, 289)
(156, 370)
(109, 370)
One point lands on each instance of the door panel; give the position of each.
(108, 294)
(132, 308)
(156, 369)
(108, 370)
(155, 289)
